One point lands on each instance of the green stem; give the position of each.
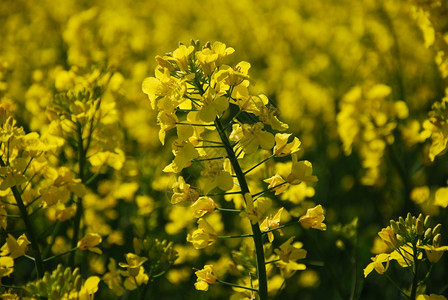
(229, 209)
(79, 206)
(29, 227)
(257, 236)
(396, 285)
(415, 278)
(60, 254)
(259, 164)
(223, 237)
(237, 285)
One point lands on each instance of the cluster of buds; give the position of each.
(63, 283)
(161, 254)
(414, 230)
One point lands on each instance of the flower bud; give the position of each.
(437, 239)
(427, 234)
(401, 221)
(402, 229)
(437, 229)
(419, 226)
(394, 226)
(78, 283)
(427, 221)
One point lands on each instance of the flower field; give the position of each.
(224, 149)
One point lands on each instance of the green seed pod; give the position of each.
(427, 221)
(437, 229)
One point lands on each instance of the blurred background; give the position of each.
(355, 80)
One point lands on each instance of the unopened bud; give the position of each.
(78, 283)
(409, 219)
(401, 221)
(427, 234)
(75, 272)
(419, 226)
(402, 229)
(394, 226)
(437, 239)
(437, 229)
(427, 221)
(401, 239)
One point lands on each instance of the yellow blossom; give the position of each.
(272, 222)
(282, 147)
(183, 192)
(434, 253)
(133, 263)
(314, 218)
(277, 184)
(378, 264)
(204, 236)
(202, 206)
(300, 171)
(15, 248)
(205, 276)
(89, 241)
(113, 278)
(388, 236)
(6, 266)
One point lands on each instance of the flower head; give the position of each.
(314, 218)
(205, 276)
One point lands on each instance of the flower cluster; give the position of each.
(224, 128)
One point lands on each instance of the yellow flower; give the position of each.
(15, 248)
(431, 297)
(282, 147)
(255, 211)
(204, 236)
(133, 263)
(252, 136)
(6, 266)
(314, 218)
(113, 278)
(182, 192)
(388, 236)
(89, 241)
(378, 264)
(277, 184)
(290, 252)
(434, 253)
(272, 222)
(202, 206)
(181, 56)
(212, 105)
(300, 171)
(205, 276)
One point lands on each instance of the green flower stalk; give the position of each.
(221, 126)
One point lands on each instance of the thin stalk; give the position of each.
(257, 236)
(237, 285)
(259, 164)
(223, 237)
(415, 278)
(229, 209)
(29, 228)
(79, 206)
(396, 285)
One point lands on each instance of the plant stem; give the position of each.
(237, 285)
(29, 228)
(415, 278)
(257, 236)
